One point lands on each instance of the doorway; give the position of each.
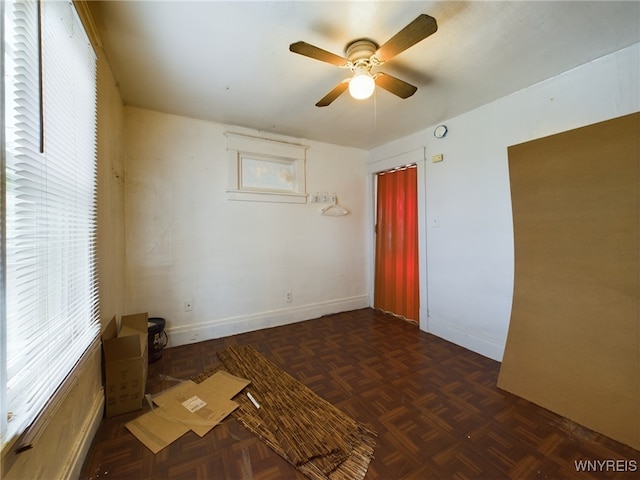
(396, 282)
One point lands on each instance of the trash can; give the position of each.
(157, 338)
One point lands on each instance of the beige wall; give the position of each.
(60, 450)
(235, 260)
(111, 250)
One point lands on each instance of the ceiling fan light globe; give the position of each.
(361, 85)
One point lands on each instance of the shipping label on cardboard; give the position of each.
(194, 404)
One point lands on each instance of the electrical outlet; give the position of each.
(188, 305)
(288, 296)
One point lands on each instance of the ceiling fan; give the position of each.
(363, 55)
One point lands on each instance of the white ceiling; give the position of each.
(229, 62)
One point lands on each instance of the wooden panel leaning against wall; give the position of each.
(574, 336)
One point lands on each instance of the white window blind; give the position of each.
(49, 218)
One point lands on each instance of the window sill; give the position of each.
(25, 441)
(272, 197)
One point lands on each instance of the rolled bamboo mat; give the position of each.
(306, 430)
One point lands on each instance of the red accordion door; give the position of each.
(396, 287)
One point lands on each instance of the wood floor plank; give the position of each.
(434, 405)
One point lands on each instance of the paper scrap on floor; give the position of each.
(187, 406)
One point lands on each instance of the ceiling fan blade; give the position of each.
(333, 94)
(395, 85)
(308, 50)
(418, 30)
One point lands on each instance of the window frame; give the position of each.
(244, 147)
(20, 436)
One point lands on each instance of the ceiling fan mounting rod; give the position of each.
(360, 65)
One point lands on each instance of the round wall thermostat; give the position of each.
(440, 131)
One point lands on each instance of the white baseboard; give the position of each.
(200, 332)
(89, 430)
(486, 346)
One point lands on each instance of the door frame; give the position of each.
(417, 157)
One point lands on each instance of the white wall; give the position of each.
(235, 259)
(469, 260)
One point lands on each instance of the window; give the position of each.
(265, 170)
(274, 175)
(49, 206)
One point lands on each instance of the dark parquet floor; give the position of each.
(434, 405)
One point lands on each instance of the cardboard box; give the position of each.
(125, 363)
(187, 406)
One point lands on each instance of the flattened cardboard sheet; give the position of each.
(225, 384)
(187, 406)
(196, 406)
(155, 431)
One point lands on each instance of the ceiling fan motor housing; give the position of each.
(360, 51)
